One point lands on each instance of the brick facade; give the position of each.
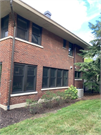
(51, 55)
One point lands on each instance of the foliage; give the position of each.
(88, 59)
(52, 99)
(71, 93)
(49, 95)
(91, 69)
(83, 117)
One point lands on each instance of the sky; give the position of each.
(74, 15)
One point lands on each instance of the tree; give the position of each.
(91, 69)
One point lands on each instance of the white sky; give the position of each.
(74, 15)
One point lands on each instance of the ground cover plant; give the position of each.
(83, 117)
(51, 100)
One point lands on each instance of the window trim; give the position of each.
(24, 80)
(27, 29)
(48, 86)
(40, 29)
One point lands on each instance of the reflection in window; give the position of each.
(24, 78)
(53, 77)
(4, 26)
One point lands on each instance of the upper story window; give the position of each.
(0, 70)
(70, 49)
(36, 34)
(77, 74)
(22, 28)
(4, 26)
(64, 43)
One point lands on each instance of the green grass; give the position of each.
(83, 117)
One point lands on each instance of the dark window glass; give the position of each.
(22, 28)
(77, 74)
(24, 78)
(4, 26)
(36, 34)
(0, 71)
(45, 77)
(64, 43)
(70, 49)
(53, 77)
(65, 74)
(59, 78)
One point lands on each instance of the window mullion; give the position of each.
(56, 78)
(25, 78)
(49, 77)
(62, 79)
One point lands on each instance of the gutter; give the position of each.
(12, 57)
(74, 65)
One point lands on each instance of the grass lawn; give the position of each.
(83, 117)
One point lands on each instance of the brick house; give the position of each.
(36, 55)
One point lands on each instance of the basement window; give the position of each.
(24, 78)
(0, 71)
(70, 49)
(53, 77)
(36, 34)
(4, 26)
(22, 28)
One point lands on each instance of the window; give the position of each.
(0, 71)
(53, 77)
(22, 28)
(4, 26)
(70, 49)
(24, 78)
(64, 43)
(77, 74)
(36, 34)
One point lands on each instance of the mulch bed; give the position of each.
(19, 114)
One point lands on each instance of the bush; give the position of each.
(71, 93)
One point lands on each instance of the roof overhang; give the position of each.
(40, 19)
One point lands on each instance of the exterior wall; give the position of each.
(5, 58)
(51, 55)
(78, 82)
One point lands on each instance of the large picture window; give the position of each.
(0, 70)
(4, 26)
(22, 28)
(53, 77)
(36, 34)
(24, 78)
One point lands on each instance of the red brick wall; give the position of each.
(52, 55)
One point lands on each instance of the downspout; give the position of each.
(74, 65)
(12, 57)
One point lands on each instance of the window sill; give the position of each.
(54, 88)
(70, 56)
(6, 38)
(64, 48)
(22, 94)
(78, 79)
(29, 42)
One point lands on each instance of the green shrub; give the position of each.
(71, 93)
(49, 95)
